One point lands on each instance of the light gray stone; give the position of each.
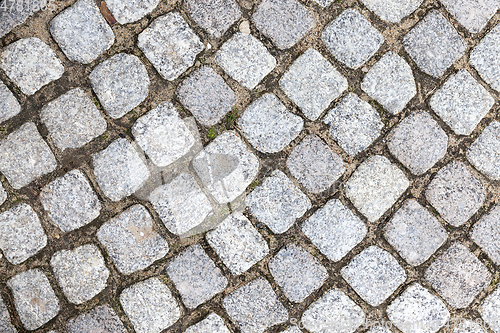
(462, 102)
(25, 156)
(30, 64)
(81, 32)
(73, 120)
(486, 55)
(150, 306)
(170, 45)
(206, 95)
(486, 234)
(121, 83)
(277, 202)
(215, 17)
(455, 193)
(375, 186)
(334, 312)
(132, 241)
(418, 142)
(70, 201)
(237, 243)
(181, 204)
(484, 153)
(315, 165)
(312, 83)
(127, 11)
(13, 14)
(163, 135)
(81, 273)
(5, 322)
(34, 298)
(229, 185)
(21, 234)
(416, 310)
(3, 195)
(354, 124)
(297, 272)
(213, 324)
(268, 125)
(434, 44)
(324, 3)
(254, 307)
(351, 38)
(119, 170)
(473, 15)
(415, 233)
(101, 319)
(458, 276)
(379, 329)
(374, 274)
(468, 326)
(392, 11)
(285, 22)
(390, 82)
(334, 229)
(9, 106)
(489, 310)
(195, 276)
(245, 59)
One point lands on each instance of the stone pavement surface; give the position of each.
(250, 166)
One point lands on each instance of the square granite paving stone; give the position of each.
(415, 233)
(434, 44)
(245, 59)
(30, 64)
(268, 125)
(121, 83)
(374, 274)
(485, 57)
(484, 153)
(128, 11)
(181, 204)
(9, 106)
(254, 307)
(229, 185)
(212, 324)
(70, 201)
(101, 319)
(119, 169)
(455, 193)
(469, 326)
(351, 38)
(34, 298)
(5, 321)
(205, 94)
(461, 102)
(150, 306)
(334, 230)
(3, 194)
(416, 310)
(131, 240)
(390, 82)
(375, 186)
(81, 273)
(418, 142)
(334, 312)
(25, 156)
(163, 135)
(473, 15)
(297, 272)
(489, 310)
(315, 165)
(73, 120)
(170, 45)
(285, 22)
(13, 14)
(195, 276)
(486, 234)
(354, 124)
(237, 243)
(21, 234)
(277, 202)
(214, 16)
(81, 32)
(312, 83)
(392, 11)
(458, 276)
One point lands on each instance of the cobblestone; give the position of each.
(100, 319)
(484, 152)
(486, 234)
(473, 15)
(213, 323)
(9, 106)
(127, 11)
(392, 10)
(489, 310)
(485, 55)
(216, 17)
(5, 324)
